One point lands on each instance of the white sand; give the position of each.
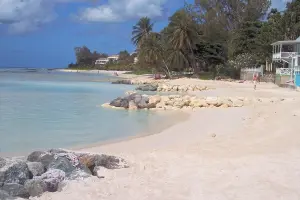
(255, 154)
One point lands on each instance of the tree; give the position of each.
(245, 39)
(181, 36)
(153, 51)
(141, 31)
(291, 20)
(125, 58)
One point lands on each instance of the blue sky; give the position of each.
(43, 33)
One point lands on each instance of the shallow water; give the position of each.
(40, 110)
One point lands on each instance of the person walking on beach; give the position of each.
(255, 77)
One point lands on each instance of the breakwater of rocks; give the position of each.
(48, 171)
(175, 102)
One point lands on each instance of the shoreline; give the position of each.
(184, 116)
(110, 72)
(180, 118)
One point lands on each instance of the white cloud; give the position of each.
(120, 10)
(27, 15)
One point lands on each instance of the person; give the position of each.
(255, 77)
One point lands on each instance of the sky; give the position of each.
(43, 33)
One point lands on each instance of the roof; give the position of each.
(297, 41)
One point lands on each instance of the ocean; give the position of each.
(41, 109)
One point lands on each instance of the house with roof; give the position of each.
(104, 61)
(287, 56)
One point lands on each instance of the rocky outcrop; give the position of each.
(147, 87)
(134, 101)
(14, 171)
(175, 102)
(180, 88)
(46, 171)
(36, 168)
(125, 81)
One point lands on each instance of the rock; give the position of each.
(147, 87)
(160, 105)
(79, 175)
(120, 102)
(212, 101)
(62, 163)
(57, 151)
(15, 171)
(153, 100)
(52, 178)
(110, 162)
(132, 105)
(15, 190)
(2, 162)
(36, 168)
(225, 102)
(213, 135)
(4, 195)
(40, 156)
(130, 93)
(126, 82)
(35, 187)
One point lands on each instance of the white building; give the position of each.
(104, 61)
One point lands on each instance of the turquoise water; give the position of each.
(40, 110)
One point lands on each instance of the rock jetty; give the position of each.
(163, 87)
(175, 102)
(47, 171)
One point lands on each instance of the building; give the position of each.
(286, 54)
(104, 61)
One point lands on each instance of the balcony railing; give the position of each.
(285, 55)
(284, 71)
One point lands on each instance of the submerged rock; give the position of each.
(36, 168)
(126, 82)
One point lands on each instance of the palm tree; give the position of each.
(153, 51)
(141, 31)
(182, 35)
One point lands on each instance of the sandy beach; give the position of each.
(252, 152)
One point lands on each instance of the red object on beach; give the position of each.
(157, 76)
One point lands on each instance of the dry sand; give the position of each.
(217, 154)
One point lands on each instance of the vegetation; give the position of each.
(213, 37)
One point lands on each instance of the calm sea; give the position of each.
(41, 110)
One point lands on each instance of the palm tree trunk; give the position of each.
(167, 69)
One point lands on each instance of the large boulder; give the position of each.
(132, 105)
(4, 195)
(126, 82)
(2, 162)
(52, 178)
(36, 168)
(14, 171)
(41, 156)
(147, 87)
(35, 187)
(63, 164)
(120, 102)
(15, 190)
(109, 162)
